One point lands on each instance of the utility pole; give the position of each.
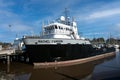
(109, 38)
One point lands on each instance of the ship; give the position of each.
(18, 45)
(59, 41)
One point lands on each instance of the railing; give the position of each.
(32, 36)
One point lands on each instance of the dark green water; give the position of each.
(96, 70)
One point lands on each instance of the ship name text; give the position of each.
(50, 41)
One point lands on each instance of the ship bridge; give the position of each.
(57, 30)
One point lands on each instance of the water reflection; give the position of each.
(21, 71)
(18, 71)
(109, 70)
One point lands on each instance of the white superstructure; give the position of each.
(61, 30)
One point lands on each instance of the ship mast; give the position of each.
(42, 28)
(66, 16)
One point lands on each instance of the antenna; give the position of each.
(48, 22)
(73, 19)
(16, 35)
(43, 28)
(66, 15)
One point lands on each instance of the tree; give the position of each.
(101, 40)
(98, 41)
(111, 41)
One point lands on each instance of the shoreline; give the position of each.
(73, 62)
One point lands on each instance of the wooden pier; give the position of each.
(5, 54)
(10, 55)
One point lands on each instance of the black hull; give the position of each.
(50, 53)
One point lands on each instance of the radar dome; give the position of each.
(62, 18)
(16, 38)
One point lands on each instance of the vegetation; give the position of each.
(98, 41)
(111, 41)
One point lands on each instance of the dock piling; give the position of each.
(8, 59)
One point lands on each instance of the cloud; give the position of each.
(21, 28)
(9, 17)
(16, 27)
(4, 14)
(1, 36)
(104, 13)
(4, 4)
(114, 30)
(116, 27)
(5, 10)
(47, 7)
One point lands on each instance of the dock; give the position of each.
(5, 54)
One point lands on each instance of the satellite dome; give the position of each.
(62, 18)
(16, 38)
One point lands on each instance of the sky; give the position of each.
(95, 18)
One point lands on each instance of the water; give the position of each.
(109, 70)
(95, 70)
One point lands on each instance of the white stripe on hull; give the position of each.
(32, 41)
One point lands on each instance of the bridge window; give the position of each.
(55, 26)
(59, 27)
(67, 29)
(52, 27)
